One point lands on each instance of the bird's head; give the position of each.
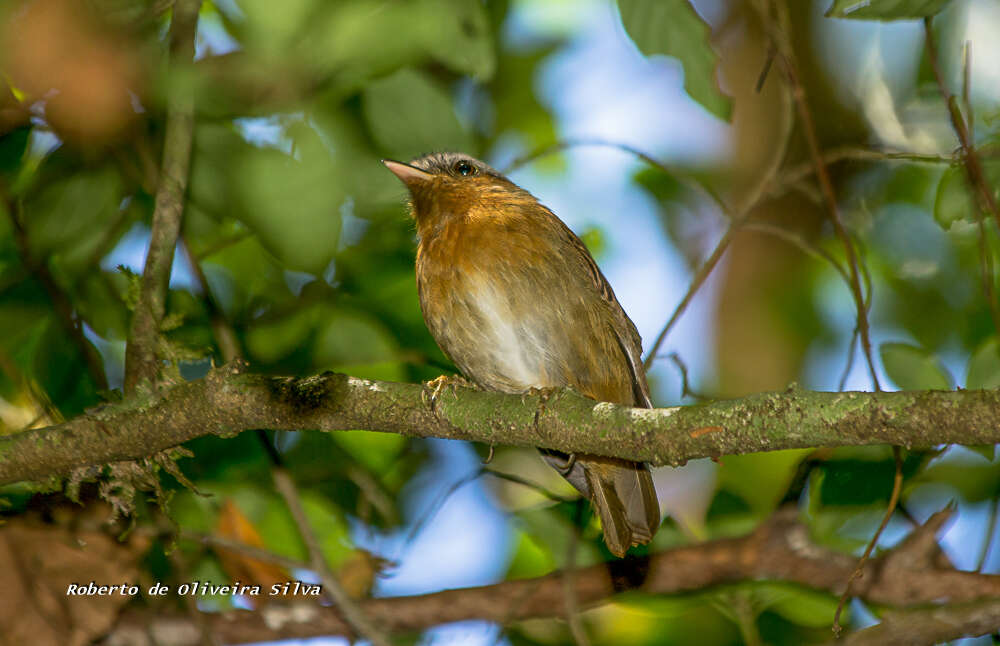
(446, 186)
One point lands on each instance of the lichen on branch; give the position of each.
(227, 402)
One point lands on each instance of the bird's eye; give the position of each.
(464, 168)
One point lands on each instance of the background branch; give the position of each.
(141, 353)
(780, 549)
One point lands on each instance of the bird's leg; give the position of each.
(567, 466)
(544, 395)
(489, 456)
(434, 388)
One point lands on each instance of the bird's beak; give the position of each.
(409, 175)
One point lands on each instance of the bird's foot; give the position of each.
(566, 466)
(544, 395)
(431, 393)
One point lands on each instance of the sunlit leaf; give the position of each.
(797, 605)
(885, 9)
(913, 368)
(673, 28)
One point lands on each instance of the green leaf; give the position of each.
(517, 107)
(673, 28)
(594, 240)
(770, 473)
(913, 368)
(798, 605)
(100, 303)
(885, 9)
(272, 27)
(984, 366)
(374, 451)
(272, 339)
(410, 115)
(70, 216)
(457, 34)
(351, 337)
(530, 558)
(293, 203)
(12, 147)
(953, 204)
(988, 451)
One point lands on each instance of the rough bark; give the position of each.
(226, 403)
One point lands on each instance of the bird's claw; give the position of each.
(434, 387)
(567, 466)
(543, 394)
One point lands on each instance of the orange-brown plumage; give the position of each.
(514, 298)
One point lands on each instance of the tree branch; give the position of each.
(929, 626)
(226, 403)
(780, 549)
(141, 361)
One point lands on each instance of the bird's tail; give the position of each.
(623, 496)
(621, 492)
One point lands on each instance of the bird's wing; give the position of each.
(625, 332)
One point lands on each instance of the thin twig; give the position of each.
(685, 382)
(225, 335)
(65, 313)
(795, 239)
(230, 347)
(786, 59)
(799, 172)
(737, 219)
(239, 547)
(973, 166)
(141, 353)
(569, 585)
(198, 618)
(974, 174)
(970, 118)
(511, 477)
(897, 485)
(673, 171)
(849, 364)
(350, 610)
(236, 238)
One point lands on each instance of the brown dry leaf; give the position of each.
(39, 561)
(87, 73)
(234, 525)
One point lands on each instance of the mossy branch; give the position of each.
(227, 402)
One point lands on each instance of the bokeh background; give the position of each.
(297, 254)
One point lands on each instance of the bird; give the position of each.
(516, 301)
